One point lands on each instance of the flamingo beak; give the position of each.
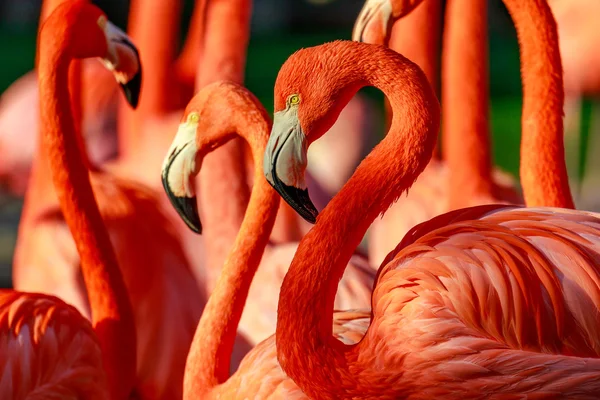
(179, 168)
(123, 59)
(285, 161)
(374, 22)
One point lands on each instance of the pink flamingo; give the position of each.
(484, 302)
(470, 178)
(48, 349)
(219, 112)
(167, 302)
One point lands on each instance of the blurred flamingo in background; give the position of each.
(48, 349)
(469, 179)
(481, 302)
(219, 112)
(166, 299)
(579, 39)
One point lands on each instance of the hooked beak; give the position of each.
(123, 59)
(178, 172)
(374, 22)
(285, 161)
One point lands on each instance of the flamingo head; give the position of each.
(179, 168)
(210, 120)
(374, 22)
(85, 33)
(308, 101)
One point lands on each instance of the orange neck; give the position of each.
(111, 311)
(40, 190)
(465, 102)
(305, 313)
(417, 37)
(543, 170)
(210, 353)
(154, 28)
(223, 190)
(191, 53)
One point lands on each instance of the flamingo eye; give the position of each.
(193, 118)
(294, 99)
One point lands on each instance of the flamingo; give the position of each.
(212, 117)
(166, 299)
(48, 348)
(18, 124)
(216, 114)
(466, 177)
(491, 301)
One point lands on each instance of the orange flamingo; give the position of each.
(166, 300)
(484, 302)
(213, 116)
(469, 179)
(154, 25)
(48, 349)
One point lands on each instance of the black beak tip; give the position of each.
(306, 208)
(132, 89)
(186, 207)
(298, 199)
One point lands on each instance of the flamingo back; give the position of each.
(492, 300)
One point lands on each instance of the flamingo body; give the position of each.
(429, 197)
(260, 376)
(260, 312)
(167, 301)
(492, 301)
(47, 349)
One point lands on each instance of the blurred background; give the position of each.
(280, 27)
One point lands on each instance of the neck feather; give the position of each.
(210, 353)
(111, 310)
(307, 295)
(543, 169)
(465, 101)
(417, 37)
(222, 181)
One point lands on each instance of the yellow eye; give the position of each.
(193, 117)
(294, 99)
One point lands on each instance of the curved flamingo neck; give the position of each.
(305, 313)
(186, 64)
(222, 181)
(465, 102)
(154, 27)
(543, 170)
(417, 37)
(111, 311)
(209, 357)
